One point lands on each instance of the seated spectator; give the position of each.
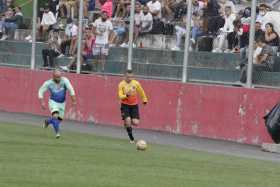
(137, 25)
(120, 31)
(234, 37)
(69, 8)
(85, 8)
(269, 16)
(198, 29)
(226, 29)
(226, 3)
(88, 44)
(263, 60)
(53, 49)
(13, 23)
(155, 8)
(102, 28)
(70, 40)
(121, 8)
(180, 32)
(271, 37)
(146, 20)
(47, 23)
(259, 32)
(54, 6)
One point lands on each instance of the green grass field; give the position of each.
(31, 157)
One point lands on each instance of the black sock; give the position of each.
(129, 132)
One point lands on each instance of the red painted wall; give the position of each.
(228, 113)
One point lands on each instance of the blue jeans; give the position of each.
(196, 32)
(10, 27)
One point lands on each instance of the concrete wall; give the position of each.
(227, 113)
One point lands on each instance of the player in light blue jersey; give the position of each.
(57, 86)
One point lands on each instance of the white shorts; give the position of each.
(100, 49)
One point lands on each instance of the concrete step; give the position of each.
(270, 147)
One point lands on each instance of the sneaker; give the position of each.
(124, 45)
(4, 37)
(132, 141)
(46, 124)
(175, 48)
(57, 136)
(64, 68)
(60, 56)
(28, 38)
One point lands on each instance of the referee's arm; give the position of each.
(142, 93)
(121, 93)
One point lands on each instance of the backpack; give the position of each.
(272, 123)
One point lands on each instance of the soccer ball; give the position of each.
(141, 145)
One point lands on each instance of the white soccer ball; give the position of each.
(141, 145)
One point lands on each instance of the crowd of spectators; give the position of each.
(11, 18)
(217, 25)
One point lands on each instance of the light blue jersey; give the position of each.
(57, 91)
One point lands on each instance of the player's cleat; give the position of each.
(46, 124)
(132, 141)
(57, 136)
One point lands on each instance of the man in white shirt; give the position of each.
(229, 17)
(146, 21)
(48, 20)
(155, 8)
(102, 29)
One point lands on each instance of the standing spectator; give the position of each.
(107, 6)
(271, 37)
(47, 23)
(70, 40)
(245, 22)
(146, 21)
(12, 23)
(102, 28)
(91, 8)
(226, 29)
(155, 8)
(53, 49)
(2, 6)
(214, 19)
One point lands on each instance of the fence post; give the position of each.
(34, 29)
(80, 35)
(251, 44)
(187, 43)
(131, 33)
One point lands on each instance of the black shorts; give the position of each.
(131, 111)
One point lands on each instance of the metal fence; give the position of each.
(162, 54)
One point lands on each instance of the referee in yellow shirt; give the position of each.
(128, 90)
